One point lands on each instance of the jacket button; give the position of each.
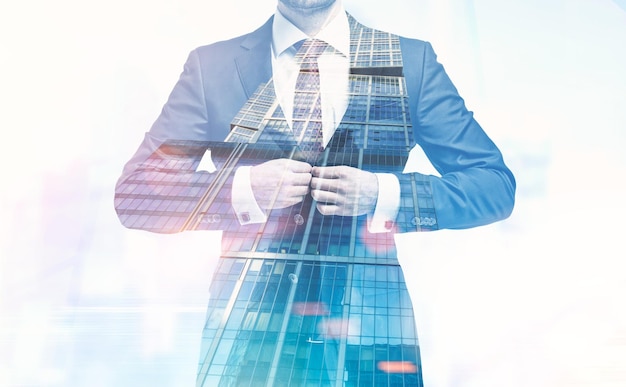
(208, 218)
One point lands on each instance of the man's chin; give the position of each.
(308, 5)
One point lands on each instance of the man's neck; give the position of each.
(310, 21)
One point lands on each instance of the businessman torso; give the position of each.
(475, 186)
(377, 103)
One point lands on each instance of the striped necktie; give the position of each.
(307, 108)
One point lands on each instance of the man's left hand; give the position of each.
(343, 190)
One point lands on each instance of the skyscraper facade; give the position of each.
(302, 299)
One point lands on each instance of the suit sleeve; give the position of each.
(161, 187)
(475, 187)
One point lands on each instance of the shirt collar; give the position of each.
(336, 33)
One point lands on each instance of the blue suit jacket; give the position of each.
(475, 187)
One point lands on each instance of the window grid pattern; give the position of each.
(253, 112)
(296, 313)
(366, 302)
(373, 49)
(163, 193)
(316, 302)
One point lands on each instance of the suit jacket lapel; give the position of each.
(254, 65)
(355, 28)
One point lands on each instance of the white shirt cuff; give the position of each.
(243, 201)
(387, 205)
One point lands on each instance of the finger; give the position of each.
(328, 209)
(327, 172)
(299, 166)
(325, 197)
(329, 185)
(299, 179)
(295, 179)
(296, 191)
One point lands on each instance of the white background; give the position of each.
(536, 300)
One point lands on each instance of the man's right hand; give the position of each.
(280, 183)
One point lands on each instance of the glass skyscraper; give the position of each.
(302, 299)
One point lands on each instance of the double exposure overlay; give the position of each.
(312, 299)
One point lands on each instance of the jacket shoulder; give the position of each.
(411, 48)
(231, 48)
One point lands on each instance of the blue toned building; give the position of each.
(302, 299)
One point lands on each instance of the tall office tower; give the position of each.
(303, 299)
(312, 300)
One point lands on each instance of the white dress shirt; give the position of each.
(334, 84)
(333, 69)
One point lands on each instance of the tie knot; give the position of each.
(309, 50)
